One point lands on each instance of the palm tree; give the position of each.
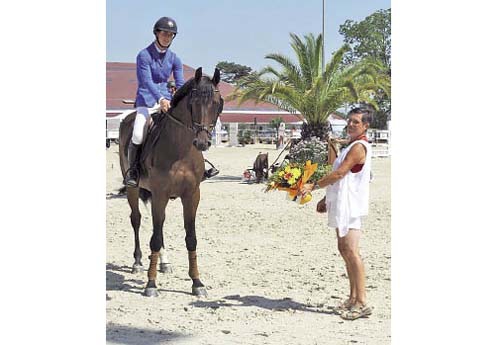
(303, 88)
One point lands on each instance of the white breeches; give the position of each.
(141, 119)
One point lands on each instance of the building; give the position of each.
(121, 83)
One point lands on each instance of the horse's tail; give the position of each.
(144, 194)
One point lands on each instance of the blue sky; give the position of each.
(239, 31)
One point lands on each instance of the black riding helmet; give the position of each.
(165, 24)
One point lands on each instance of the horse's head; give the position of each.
(206, 104)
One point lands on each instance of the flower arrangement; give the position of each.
(292, 176)
(307, 163)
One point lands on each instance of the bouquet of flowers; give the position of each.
(292, 176)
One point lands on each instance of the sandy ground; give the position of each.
(271, 267)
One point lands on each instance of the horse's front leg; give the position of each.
(190, 205)
(158, 205)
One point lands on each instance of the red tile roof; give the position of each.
(121, 83)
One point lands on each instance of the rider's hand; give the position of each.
(321, 206)
(164, 105)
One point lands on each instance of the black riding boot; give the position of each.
(132, 176)
(210, 172)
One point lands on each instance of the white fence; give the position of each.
(381, 150)
(381, 142)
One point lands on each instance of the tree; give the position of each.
(371, 38)
(303, 87)
(231, 72)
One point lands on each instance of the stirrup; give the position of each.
(210, 173)
(131, 181)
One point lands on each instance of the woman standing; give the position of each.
(346, 202)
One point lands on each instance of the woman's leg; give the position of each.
(350, 274)
(140, 121)
(349, 246)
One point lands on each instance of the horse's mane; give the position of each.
(205, 90)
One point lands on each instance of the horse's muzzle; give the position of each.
(201, 145)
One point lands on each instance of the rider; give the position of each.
(155, 64)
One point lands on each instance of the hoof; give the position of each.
(200, 291)
(137, 269)
(151, 292)
(166, 268)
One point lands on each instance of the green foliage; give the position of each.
(371, 39)
(231, 72)
(303, 87)
(245, 137)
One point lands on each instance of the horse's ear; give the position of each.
(216, 77)
(197, 75)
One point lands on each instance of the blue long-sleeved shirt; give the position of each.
(153, 71)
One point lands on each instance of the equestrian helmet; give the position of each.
(165, 24)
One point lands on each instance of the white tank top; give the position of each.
(348, 197)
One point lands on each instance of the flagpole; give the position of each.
(323, 35)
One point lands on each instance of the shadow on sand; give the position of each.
(117, 282)
(259, 301)
(223, 178)
(119, 334)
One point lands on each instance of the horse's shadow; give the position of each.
(259, 301)
(117, 282)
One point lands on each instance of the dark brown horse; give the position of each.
(172, 166)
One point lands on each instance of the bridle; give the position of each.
(195, 126)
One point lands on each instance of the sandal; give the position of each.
(342, 307)
(356, 312)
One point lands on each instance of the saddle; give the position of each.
(151, 136)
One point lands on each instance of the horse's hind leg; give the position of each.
(135, 219)
(190, 205)
(165, 266)
(158, 205)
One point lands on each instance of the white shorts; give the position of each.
(354, 223)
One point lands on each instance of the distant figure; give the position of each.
(171, 87)
(218, 132)
(281, 135)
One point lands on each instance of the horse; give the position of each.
(172, 166)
